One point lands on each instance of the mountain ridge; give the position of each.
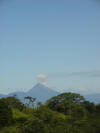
(43, 93)
(39, 91)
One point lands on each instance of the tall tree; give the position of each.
(31, 101)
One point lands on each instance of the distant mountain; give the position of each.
(43, 93)
(1, 95)
(19, 95)
(39, 91)
(93, 98)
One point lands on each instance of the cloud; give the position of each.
(76, 74)
(41, 78)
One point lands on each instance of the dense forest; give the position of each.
(65, 113)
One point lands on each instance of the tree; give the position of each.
(90, 107)
(64, 101)
(39, 104)
(54, 121)
(31, 101)
(14, 102)
(5, 113)
(33, 125)
(98, 108)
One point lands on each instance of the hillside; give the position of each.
(64, 113)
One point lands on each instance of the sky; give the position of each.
(58, 40)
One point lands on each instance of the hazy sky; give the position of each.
(55, 37)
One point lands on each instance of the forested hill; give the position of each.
(64, 113)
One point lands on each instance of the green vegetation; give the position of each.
(65, 113)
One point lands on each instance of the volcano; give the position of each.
(39, 91)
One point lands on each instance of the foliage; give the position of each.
(5, 113)
(65, 113)
(31, 101)
(14, 102)
(33, 125)
(17, 114)
(10, 129)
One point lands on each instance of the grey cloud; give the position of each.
(75, 74)
(89, 74)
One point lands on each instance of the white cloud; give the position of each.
(41, 78)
